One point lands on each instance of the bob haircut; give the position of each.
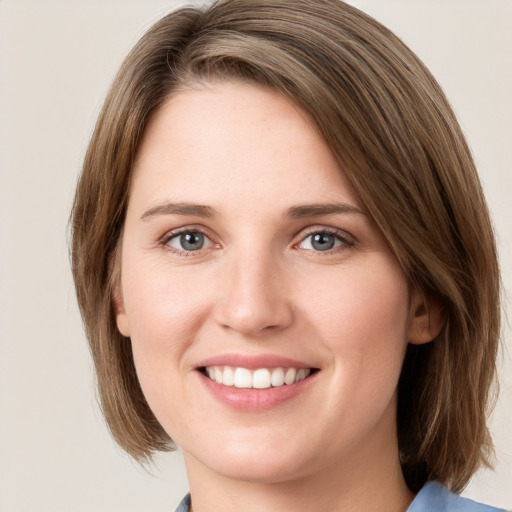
(395, 136)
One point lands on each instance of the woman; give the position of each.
(285, 263)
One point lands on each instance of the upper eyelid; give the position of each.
(170, 233)
(305, 232)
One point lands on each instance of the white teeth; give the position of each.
(277, 378)
(301, 375)
(262, 378)
(243, 378)
(289, 377)
(229, 376)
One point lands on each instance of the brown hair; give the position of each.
(393, 132)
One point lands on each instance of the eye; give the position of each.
(323, 241)
(189, 241)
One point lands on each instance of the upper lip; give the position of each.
(253, 362)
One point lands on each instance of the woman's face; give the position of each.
(248, 257)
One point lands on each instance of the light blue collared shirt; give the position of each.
(184, 506)
(433, 497)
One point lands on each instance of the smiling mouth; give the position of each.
(260, 378)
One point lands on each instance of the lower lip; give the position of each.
(255, 400)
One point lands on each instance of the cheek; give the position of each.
(361, 324)
(376, 286)
(165, 313)
(157, 293)
(362, 317)
(165, 310)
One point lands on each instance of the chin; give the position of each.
(259, 471)
(256, 464)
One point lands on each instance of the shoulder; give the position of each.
(436, 497)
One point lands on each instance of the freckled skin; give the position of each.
(258, 285)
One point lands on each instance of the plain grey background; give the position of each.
(57, 59)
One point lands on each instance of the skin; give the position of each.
(257, 286)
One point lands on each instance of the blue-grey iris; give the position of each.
(322, 241)
(192, 241)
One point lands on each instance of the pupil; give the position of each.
(323, 242)
(192, 241)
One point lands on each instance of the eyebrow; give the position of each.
(194, 210)
(294, 212)
(318, 210)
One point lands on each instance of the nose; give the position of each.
(253, 300)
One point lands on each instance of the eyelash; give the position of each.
(341, 236)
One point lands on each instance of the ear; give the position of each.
(426, 319)
(123, 325)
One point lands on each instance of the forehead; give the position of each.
(239, 141)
